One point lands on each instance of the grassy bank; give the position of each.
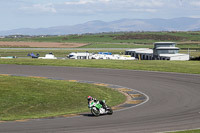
(24, 98)
(151, 65)
(190, 131)
(122, 37)
(117, 45)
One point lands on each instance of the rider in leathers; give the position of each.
(102, 102)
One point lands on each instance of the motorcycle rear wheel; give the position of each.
(110, 111)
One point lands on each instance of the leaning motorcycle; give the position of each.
(97, 109)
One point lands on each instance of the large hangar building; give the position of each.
(161, 51)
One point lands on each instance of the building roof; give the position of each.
(138, 49)
(170, 48)
(164, 42)
(149, 51)
(141, 50)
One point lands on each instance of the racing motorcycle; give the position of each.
(97, 109)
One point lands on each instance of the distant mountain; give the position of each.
(176, 24)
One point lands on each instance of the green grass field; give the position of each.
(133, 45)
(119, 40)
(151, 65)
(25, 97)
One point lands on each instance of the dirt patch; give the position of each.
(41, 45)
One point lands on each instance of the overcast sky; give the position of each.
(46, 13)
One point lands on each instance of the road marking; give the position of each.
(4, 75)
(72, 80)
(22, 120)
(135, 95)
(124, 89)
(134, 102)
(70, 115)
(116, 108)
(100, 84)
(37, 77)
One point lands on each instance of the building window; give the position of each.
(165, 51)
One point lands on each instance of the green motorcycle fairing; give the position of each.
(98, 106)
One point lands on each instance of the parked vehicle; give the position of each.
(33, 55)
(48, 56)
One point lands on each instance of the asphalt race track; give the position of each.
(174, 102)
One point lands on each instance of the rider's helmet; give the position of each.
(89, 98)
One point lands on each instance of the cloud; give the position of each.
(83, 2)
(94, 7)
(144, 10)
(149, 3)
(195, 16)
(139, 3)
(40, 8)
(111, 6)
(195, 3)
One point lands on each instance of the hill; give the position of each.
(176, 24)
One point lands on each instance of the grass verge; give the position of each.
(192, 67)
(190, 131)
(65, 52)
(57, 53)
(25, 97)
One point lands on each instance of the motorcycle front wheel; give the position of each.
(95, 112)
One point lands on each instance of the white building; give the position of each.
(140, 53)
(161, 51)
(48, 56)
(177, 56)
